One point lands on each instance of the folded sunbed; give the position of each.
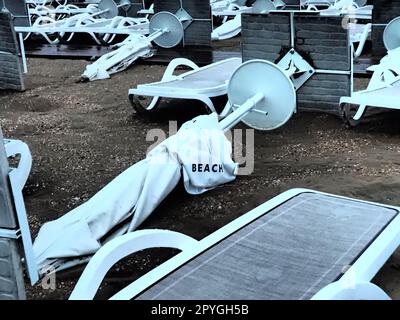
(302, 244)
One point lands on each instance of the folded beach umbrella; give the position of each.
(199, 152)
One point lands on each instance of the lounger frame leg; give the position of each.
(121, 247)
(348, 118)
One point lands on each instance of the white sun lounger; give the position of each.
(302, 244)
(199, 84)
(383, 90)
(384, 97)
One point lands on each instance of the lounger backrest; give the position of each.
(209, 77)
(291, 252)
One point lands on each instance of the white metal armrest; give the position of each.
(21, 173)
(121, 247)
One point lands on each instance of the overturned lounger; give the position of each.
(17, 178)
(302, 244)
(200, 84)
(384, 97)
(383, 90)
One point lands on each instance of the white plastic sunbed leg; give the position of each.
(360, 112)
(359, 291)
(169, 74)
(228, 29)
(121, 247)
(227, 109)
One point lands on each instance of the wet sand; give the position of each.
(82, 135)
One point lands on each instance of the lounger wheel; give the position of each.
(143, 110)
(348, 112)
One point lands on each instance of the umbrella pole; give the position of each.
(266, 102)
(236, 116)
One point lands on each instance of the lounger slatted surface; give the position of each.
(214, 76)
(202, 83)
(290, 252)
(387, 97)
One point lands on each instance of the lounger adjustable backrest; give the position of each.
(205, 79)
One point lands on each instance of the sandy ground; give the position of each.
(83, 134)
